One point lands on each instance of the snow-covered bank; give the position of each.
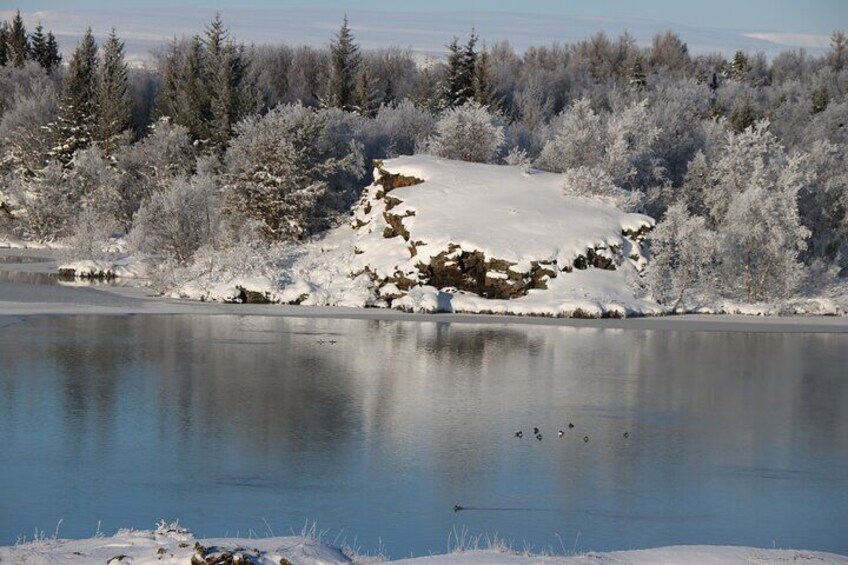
(433, 235)
(173, 545)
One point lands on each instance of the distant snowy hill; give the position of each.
(436, 235)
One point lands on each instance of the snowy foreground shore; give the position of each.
(175, 545)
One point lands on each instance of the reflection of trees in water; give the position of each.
(272, 390)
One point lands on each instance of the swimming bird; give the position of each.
(519, 433)
(626, 435)
(539, 437)
(570, 426)
(586, 439)
(536, 430)
(561, 433)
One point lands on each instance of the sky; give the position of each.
(427, 25)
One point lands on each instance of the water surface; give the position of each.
(376, 429)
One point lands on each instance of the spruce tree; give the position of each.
(78, 107)
(113, 97)
(17, 44)
(44, 49)
(38, 44)
(192, 103)
(53, 58)
(739, 67)
(482, 83)
(458, 87)
(4, 38)
(366, 98)
(638, 78)
(228, 81)
(345, 69)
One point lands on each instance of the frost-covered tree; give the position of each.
(682, 257)
(696, 184)
(279, 168)
(468, 133)
(762, 237)
(113, 108)
(177, 220)
(346, 62)
(404, 126)
(576, 139)
(838, 55)
(51, 203)
(823, 201)
(26, 138)
(670, 53)
(76, 126)
(596, 183)
(630, 138)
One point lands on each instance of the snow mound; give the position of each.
(437, 235)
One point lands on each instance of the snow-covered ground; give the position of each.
(170, 545)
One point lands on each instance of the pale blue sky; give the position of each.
(427, 25)
(800, 16)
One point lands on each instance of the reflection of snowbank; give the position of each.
(171, 545)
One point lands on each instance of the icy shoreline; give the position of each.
(25, 299)
(176, 545)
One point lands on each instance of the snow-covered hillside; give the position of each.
(437, 235)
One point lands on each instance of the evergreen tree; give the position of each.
(4, 39)
(17, 44)
(227, 81)
(44, 49)
(458, 87)
(192, 108)
(739, 67)
(484, 84)
(638, 78)
(113, 97)
(452, 85)
(53, 57)
(78, 107)
(427, 94)
(366, 98)
(345, 69)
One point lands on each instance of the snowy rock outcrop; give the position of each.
(439, 235)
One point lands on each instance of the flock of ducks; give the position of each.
(538, 433)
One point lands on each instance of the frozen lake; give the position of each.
(376, 429)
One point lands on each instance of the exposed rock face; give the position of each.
(247, 296)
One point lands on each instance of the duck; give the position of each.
(561, 433)
(570, 426)
(586, 439)
(519, 433)
(626, 435)
(539, 437)
(536, 430)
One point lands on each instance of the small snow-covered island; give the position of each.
(458, 283)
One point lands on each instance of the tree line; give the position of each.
(742, 159)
